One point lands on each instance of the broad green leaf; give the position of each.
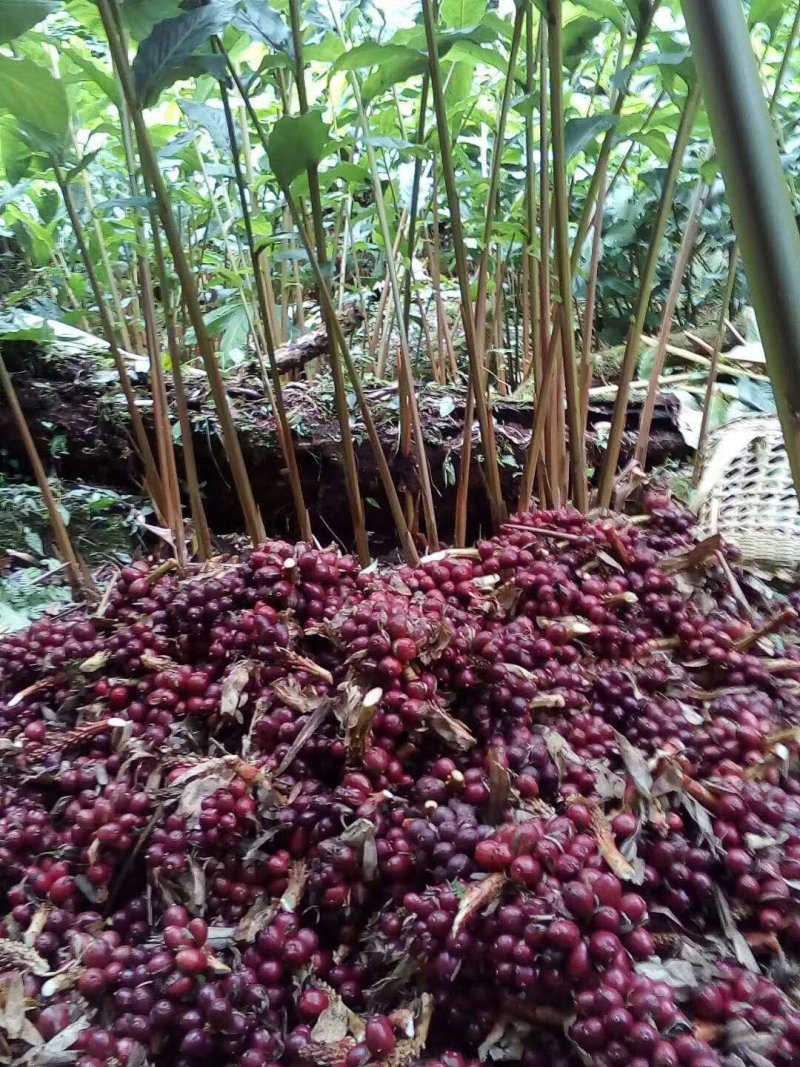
(211, 119)
(710, 170)
(140, 16)
(458, 96)
(196, 66)
(351, 173)
(94, 72)
(396, 70)
(163, 55)
(262, 23)
(80, 167)
(372, 54)
(581, 132)
(657, 142)
(462, 13)
(769, 12)
(473, 53)
(606, 9)
(48, 204)
(578, 35)
(297, 142)
(16, 155)
(527, 104)
(17, 16)
(33, 96)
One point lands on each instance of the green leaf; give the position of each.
(81, 166)
(581, 132)
(769, 12)
(211, 119)
(462, 13)
(260, 22)
(48, 204)
(16, 155)
(196, 66)
(163, 56)
(578, 35)
(17, 16)
(33, 96)
(95, 73)
(606, 9)
(297, 142)
(392, 72)
(657, 142)
(140, 16)
(372, 54)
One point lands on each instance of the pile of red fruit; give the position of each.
(534, 802)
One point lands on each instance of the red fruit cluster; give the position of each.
(520, 803)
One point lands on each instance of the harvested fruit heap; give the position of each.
(533, 802)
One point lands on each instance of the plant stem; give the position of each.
(591, 300)
(79, 577)
(533, 263)
(412, 218)
(406, 540)
(587, 211)
(152, 477)
(705, 424)
(284, 429)
(577, 452)
(163, 427)
(549, 349)
(678, 273)
(462, 492)
(629, 360)
(355, 502)
(199, 520)
(477, 373)
(149, 162)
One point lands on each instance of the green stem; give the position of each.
(477, 374)
(284, 429)
(647, 280)
(154, 485)
(577, 451)
(150, 168)
(355, 502)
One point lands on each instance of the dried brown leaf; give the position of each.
(625, 869)
(477, 896)
(12, 1019)
(441, 636)
(153, 662)
(361, 835)
(332, 1025)
(234, 690)
(296, 886)
(95, 662)
(636, 766)
(451, 731)
(499, 786)
(15, 954)
(260, 915)
(409, 1049)
(358, 729)
(736, 939)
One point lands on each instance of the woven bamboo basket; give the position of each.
(747, 494)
